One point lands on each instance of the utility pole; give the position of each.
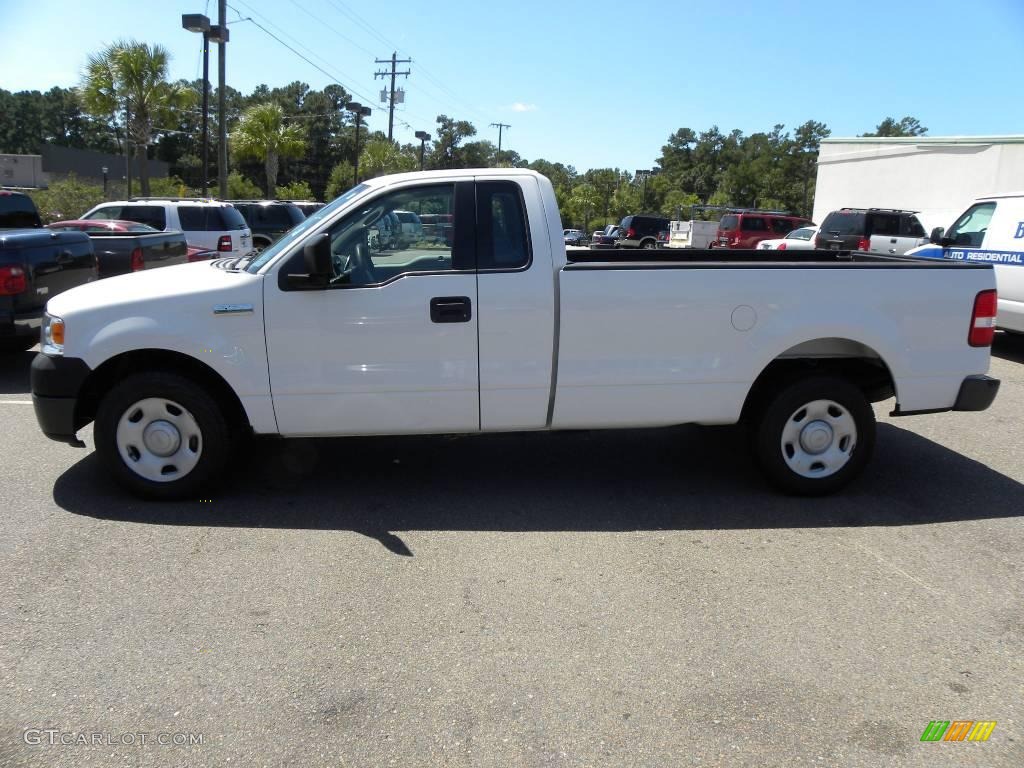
(222, 118)
(499, 126)
(394, 61)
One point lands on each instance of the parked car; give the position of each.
(268, 219)
(605, 238)
(746, 229)
(990, 231)
(574, 237)
(438, 227)
(210, 224)
(640, 231)
(874, 230)
(798, 240)
(122, 247)
(318, 336)
(410, 228)
(36, 264)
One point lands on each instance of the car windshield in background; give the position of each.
(843, 223)
(310, 222)
(729, 222)
(800, 234)
(17, 212)
(231, 218)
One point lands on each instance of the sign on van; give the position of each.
(990, 257)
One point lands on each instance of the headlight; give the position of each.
(52, 335)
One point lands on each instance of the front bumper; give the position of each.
(976, 394)
(56, 386)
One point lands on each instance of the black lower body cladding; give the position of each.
(56, 383)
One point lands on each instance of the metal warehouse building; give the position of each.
(938, 176)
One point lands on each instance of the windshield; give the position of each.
(300, 229)
(801, 234)
(970, 228)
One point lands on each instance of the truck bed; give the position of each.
(678, 258)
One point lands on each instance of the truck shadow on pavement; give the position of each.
(14, 373)
(683, 478)
(1008, 347)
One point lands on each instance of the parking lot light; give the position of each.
(424, 137)
(197, 22)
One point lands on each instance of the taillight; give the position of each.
(138, 263)
(12, 281)
(983, 320)
(630, 233)
(782, 247)
(864, 244)
(224, 243)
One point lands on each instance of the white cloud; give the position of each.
(521, 107)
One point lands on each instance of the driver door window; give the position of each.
(369, 247)
(969, 230)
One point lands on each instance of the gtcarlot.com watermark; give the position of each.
(54, 737)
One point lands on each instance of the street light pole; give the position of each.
(424, 137)
(360, 112)
(197, 22)
(222, 118)
(104, 169)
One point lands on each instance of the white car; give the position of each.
(798, 240)
(208, 224)
(503, 331)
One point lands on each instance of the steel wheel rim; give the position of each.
(159, 440)
(819, 439)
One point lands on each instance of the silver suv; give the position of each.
(208, 224)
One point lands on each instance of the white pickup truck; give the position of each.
(486, 326)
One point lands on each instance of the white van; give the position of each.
(992, 231)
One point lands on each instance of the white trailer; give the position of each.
(691, 234)
(936, 176)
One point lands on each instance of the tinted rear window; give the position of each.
(843, 223)
(17, 212)
(210, 218)
(729, 222)
(887, 224)
(151, 215)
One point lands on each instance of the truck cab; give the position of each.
(990, 231)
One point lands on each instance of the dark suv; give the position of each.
(876, 230)
(640, 231)
(268, 219)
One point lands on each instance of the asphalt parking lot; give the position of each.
(581, 599)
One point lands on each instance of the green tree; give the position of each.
(130, 79)
(297, 190)
(380, 157)
(448, 137)
(908, 126)
(585, 199)
(242, 188)
(263, 133)
(340, 180)
(66, 199)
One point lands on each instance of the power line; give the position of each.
(313, 64)
(332, 29)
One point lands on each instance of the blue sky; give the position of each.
(591, 84)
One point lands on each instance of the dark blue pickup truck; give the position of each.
(35, 264)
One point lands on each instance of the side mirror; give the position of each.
(936, 236)
(316, 256)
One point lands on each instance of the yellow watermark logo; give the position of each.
(958, 730)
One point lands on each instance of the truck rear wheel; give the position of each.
(815, 435)
(162, 436)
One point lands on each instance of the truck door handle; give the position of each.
(893, 240)
(451, 309)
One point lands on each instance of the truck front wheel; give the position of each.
(162, 436)
(814, 436)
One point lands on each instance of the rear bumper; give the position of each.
(56, 384)
(976, 394)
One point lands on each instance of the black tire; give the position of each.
(648, 245)
(768, 434)
(214, 448)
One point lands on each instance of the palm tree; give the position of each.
(262, 134)
(130, 78)
(380, 157)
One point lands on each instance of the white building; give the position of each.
(938, 176)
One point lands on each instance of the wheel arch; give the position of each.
(852, 360)
(135, 361)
